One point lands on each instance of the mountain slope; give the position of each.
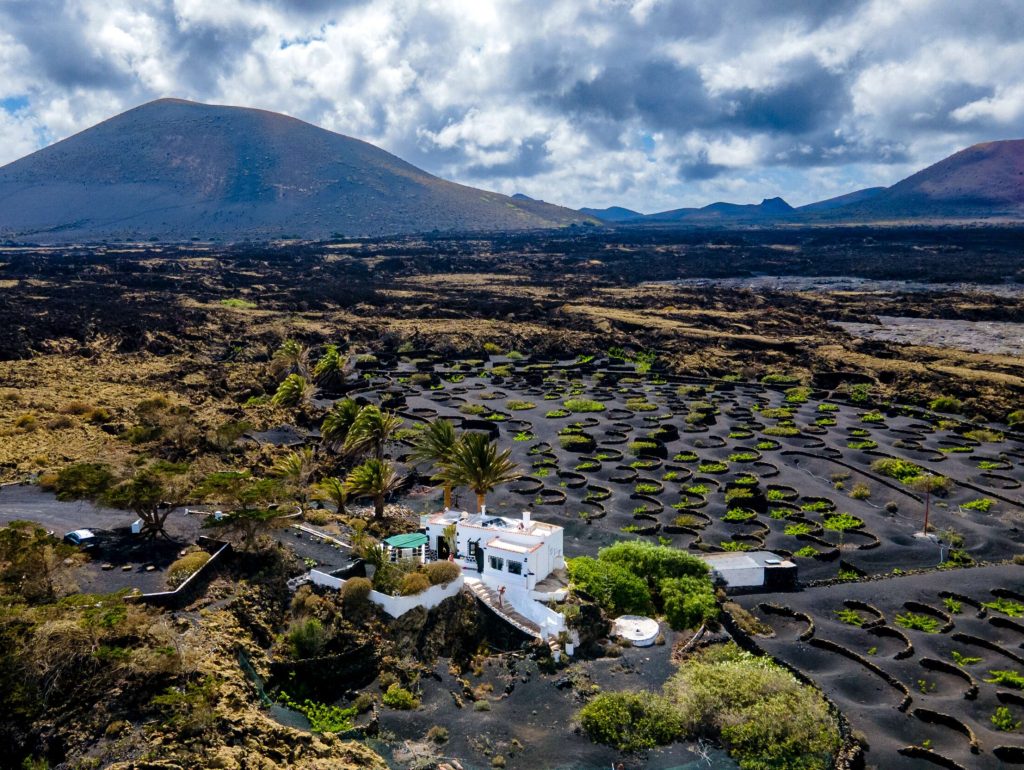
(857, 196)
(769, 208)
(984, 180)
(173, 170)
(612, 214)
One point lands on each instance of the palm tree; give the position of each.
(376, 479)
(295, 469)
(436, 444)
(294, 390)
(331, 368)
(372, 429)
(291, 358)
(333, 490)
(338, 423)
(477, 464)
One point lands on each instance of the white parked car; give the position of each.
(83, 538)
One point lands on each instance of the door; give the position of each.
(479, 559)
(443, 551)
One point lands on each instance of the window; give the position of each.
(515, 567)
(472, 548)
(497, 563)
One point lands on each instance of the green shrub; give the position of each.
(798, 395)
(238, 303)
(1006, 607)
(653, 562)
(798, 528)
(763, 715)
(554, 413)
(982, 504)
(80, 481)
(806, 552)
(713, 467)
(984, 436)
(735, 545)
(850, 617)
(442, 572)
(685, 457)
(738, 493)
(689, 602)
(519, 406)
(946, 404)
(1015, 418)
(742, 457)
(583, 405)
(617, 590)
(1003, 720)
(630, 721)
(413, 583)
(896, 468)
(575, 442)
(860, 491)
(473, 410)
(356, 591)
(185, 567)
(737, 515)
(306, 638)
(781, 430)
(697, 489)
(397, 697)
(1006, 678)
(918, 622)
(437, 734)
(964, 660)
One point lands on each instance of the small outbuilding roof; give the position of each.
(407, 540)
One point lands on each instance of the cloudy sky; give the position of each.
(651, 104)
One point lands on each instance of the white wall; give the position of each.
(742, 577)
(551, 623)
(396, 606)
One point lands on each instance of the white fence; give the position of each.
(396, 606)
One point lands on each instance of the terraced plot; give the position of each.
(712, 465)
(920, 664)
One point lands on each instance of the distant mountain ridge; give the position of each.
(612, 214)
(173, 169)
(984, 181)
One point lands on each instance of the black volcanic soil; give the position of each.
(889, 717)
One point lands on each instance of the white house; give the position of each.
(507, 553)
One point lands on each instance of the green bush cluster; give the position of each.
(636, 577)
(442, 572)
(583, 405)
(397, 697)
(631, 721)
(185, 567)
(759, 711)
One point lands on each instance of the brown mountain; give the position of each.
(981, 182)
(173, 170)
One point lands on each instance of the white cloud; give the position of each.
(559, 99)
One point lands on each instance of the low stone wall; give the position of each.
(190, 589)
(396, 606)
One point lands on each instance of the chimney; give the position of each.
(526, 519)
(483, 510)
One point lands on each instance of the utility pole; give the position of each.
(927, 502)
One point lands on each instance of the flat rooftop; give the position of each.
(732, 560)
(495, 523)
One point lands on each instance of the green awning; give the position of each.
(408, 540)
